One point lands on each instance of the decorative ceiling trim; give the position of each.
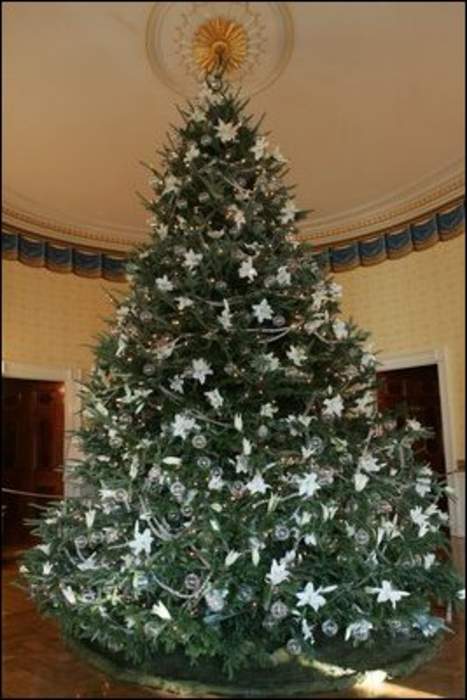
(428, 194)
(441, 225)
(43, 224)
(172, 41)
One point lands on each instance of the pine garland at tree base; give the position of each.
(334, 667)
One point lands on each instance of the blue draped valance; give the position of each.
(442, 225)
(388, 245)
(58, 257)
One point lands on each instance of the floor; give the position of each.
(36, 663)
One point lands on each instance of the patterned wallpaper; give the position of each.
(414, 304)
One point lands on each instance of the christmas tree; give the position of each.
(243, 492)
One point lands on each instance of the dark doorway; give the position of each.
(415, 391)
(32, 452)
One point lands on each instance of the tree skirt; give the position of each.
(336, 665)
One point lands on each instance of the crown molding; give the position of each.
(429, 193)
(35, 222)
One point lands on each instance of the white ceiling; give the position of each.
(370, 112)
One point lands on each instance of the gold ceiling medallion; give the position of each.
(186, 40)
(220, 41)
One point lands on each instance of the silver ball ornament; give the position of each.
(121, 496)
(199, 442)
(187, 511)
(149, 370)
(146, 316)
(279, 610)
(96, 538)
(192, 582)
(177, 489)
(214, 600)
(281, 533)
(269, 622)
(154, 474)
(362, 537)
(330, 628)
(237, 489)
(204, 462)
(316, 444)
(245, 594)
(294, 647)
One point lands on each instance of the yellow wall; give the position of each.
(49, 317)
(414, 304)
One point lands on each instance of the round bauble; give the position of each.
(81, 541)
(146, 316)
(316, 445)
(154, 474)
(214, 600)
(204, 462)
(237, 489)
(96, 538)
(294, 647)
(330, 628)
(199, 442)
(269, 622)
(177, 489)
(149, 370)
(279, 610)
(245, 593)
(192, 582)
(121, 495)
(281, 533)
(362, 537)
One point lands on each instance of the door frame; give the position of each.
(70, 377)
(438, 357)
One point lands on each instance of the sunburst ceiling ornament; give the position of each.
(185, 41)
(220, 40)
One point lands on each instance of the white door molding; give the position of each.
(70, 378)
(438, 357)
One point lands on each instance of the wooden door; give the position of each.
(32, 450)
(415, 391)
